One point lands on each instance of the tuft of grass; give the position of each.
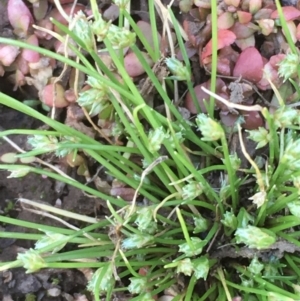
(187, 225)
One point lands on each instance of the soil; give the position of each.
(16, 283)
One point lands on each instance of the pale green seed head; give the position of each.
(201, 267)
(185, 267)
(32, 261)
(100, 28)
(255, 237)
(179, 71)
(288, 66)
(136, 241)
(194, 249)
(137, 285)
(255, 266)
(191, 190)
(261, 136)
(120, 37)
(82, 29)
(210, 129)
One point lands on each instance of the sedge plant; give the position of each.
(179, 220)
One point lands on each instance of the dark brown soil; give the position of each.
(16, 283)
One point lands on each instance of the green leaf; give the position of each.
(272, 296)
(244, 218)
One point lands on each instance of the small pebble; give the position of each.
(53, 292)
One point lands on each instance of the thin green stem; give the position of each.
(231, 173)
(190, 288)
(292, 264)
(141, 36)
(45, 228)
(154, 35)
(212, 232)
(208, 293)
(208, 190)
(273, 141)
(117, 202)
(186, 61)
(285, 28)
(267, 285)
(184, 229)
(282, 202)
(289, 238)
(214, 27)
